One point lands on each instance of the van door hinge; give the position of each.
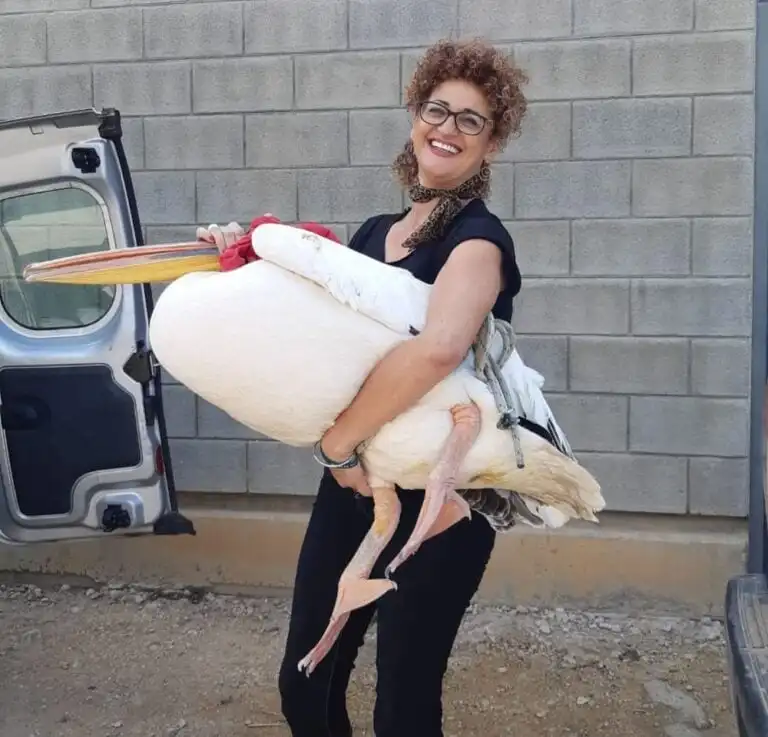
(141, 366)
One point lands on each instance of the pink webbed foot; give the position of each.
(356, 590)
(443, 507)
(353, 594)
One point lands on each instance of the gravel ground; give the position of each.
(149, 662)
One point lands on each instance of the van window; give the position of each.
(43, 225)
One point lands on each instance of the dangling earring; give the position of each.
(484, 175)
(413, 167)
(405, 165)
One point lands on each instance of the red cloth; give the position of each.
(241, 253)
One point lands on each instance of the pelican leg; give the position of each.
(443, 507)
(356, 590)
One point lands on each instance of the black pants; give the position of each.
(417, 623)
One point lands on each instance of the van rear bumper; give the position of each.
(746, 632)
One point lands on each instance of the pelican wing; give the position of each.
(393, 297)
(385, 293)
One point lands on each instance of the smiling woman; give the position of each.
(466, 101)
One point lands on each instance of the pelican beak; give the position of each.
(141, 265)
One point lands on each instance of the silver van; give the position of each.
(83, 444)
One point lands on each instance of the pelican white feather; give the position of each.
(283, 345)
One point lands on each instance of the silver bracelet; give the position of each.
(325, 461)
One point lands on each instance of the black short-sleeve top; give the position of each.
(474, 221)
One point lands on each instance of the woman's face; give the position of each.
(450, 149)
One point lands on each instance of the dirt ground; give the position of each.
(147, 662)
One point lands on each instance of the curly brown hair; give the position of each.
(481, 64)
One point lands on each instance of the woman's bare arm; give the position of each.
(463, 294)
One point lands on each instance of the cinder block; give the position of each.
(33, 6)
(572, 189)
(95, 35)
(712, 15)
(573, 307)
(514, 19)
(22, 40)
(352, 228)
(549, 356)
(593, 17)
(722, 246)
(629, 365)
(694, 307)
(242, 195)
(700, 186)
(340, 195)
(65, 206)
(376, 137)
(347, 80)
(194, 30)
(341, 230)
(243, 85)
(502, 200)
(408, 62)
(180, 411)
(694, 426)
(720, 367)
(275, 468)
(159, 88)
(213, 422)
(563, 70)
(205, 142)
(542, 247)
(34, 241)
(276, 140)
(170, 234)
(545, 134)
(210, 465)
(640, 483)
(699, 63)
(42, 90)
(133, 142)
(644, 247)
(165, 197)
(112, 3)
(276, 26)
(724, 125)
(719, 486)
(590, 421)
(607, 129)
(166, 378)
(382, 24)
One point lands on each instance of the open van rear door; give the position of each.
(83, 448)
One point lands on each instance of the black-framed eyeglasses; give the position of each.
(433, 112)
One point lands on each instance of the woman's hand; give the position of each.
(352, 478)
(222, 237)
(348, 478)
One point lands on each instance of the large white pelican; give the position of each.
(284, 343)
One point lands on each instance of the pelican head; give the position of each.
(154, 263)
(141, 265)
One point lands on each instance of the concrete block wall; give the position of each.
(629, 192)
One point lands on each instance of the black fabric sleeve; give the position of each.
(490, 228)
(357, 241)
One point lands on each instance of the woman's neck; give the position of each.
(420, 211)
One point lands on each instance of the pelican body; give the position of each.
(284, 343)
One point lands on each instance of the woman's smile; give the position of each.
(440, 147)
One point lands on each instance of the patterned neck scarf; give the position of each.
(448, 206)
